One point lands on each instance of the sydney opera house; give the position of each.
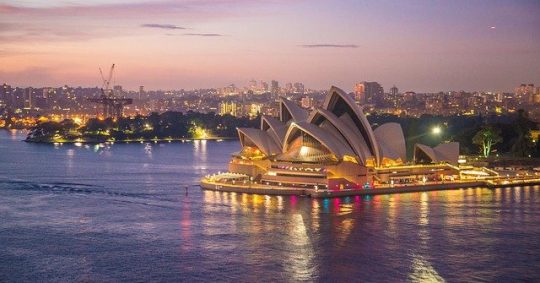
(332, 148)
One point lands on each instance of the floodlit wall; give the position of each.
(251, 168)
(353, 173)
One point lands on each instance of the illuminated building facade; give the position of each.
(525, 93)
(394, 91)
(368, 92)
(228, 108)
(335, 147)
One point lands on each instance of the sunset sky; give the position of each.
(416, 45)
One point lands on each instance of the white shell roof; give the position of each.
(329, 104)
(353, 138)
(260, 138)
(276, 127)
(448, 152)
(347, 134)
(334, 145)
(391, 141)
(297, 113)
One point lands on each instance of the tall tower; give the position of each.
(360, 93)
(28, 93)
(368, 92)
(274, 89)
(5, 95)
(394, 90)
(536, 98)
(141, 91)
(524, 93)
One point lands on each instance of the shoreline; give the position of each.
(159, 140)
(270, 190)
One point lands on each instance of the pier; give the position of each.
(325, 193)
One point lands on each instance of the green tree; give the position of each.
(486, 138)
(95, 125)
(154, 122)
(523, 145)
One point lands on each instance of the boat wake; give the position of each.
(87, 189)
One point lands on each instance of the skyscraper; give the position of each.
(525, 93)
(253, 85)
(288, 87)
(274, 88)
(394, 91)
(298, 88)
(536, 97)
(28, 93)
(264, 86)
(141, 91)
(5, 95)
(360, 93)
(368, 92)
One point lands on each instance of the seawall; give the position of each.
(268, 190)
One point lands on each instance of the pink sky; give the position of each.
(416, 45)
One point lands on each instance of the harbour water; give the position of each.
(108, 213)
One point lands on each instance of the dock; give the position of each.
(323, 193)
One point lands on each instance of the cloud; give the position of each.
(54, 21)
(329, 46)
(28, 33)
(187, 9)
(203, 34)
(162, 26)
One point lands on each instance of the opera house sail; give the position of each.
(333, 147)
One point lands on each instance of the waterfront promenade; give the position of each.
(254, 188)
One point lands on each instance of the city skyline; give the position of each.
(485, 45)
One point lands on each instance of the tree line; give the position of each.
(508, 135)
(503, 135)
(168, 125)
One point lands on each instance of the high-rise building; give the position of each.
(368, 92)
(230, 108)
(498, 97)
(254, 109)
(228, 90)
(28, 98)
(433, 104)
(253, 85)
(18, 97)
(288, 87)
(360, 93)
(394, 91)
(274, 88)
(299, 88)
(141, 91)
(525, 93)
(536, 98)
(307, 102)
(5, 95)
(264, 86)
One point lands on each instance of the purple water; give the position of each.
(121, 213)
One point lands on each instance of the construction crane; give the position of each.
(105, 88)
(113, 106)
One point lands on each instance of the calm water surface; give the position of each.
(121, 213)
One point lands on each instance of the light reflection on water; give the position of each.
(446, 224)
(121, 214)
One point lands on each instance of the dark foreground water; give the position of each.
(121, 213)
